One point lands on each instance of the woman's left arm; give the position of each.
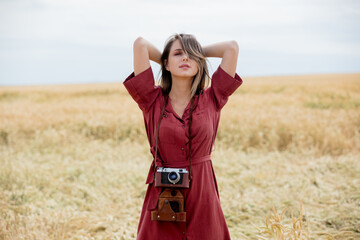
(228, 51)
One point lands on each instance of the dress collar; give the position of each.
(169, 108)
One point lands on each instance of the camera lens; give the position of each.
(173, 177)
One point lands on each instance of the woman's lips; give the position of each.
(184, 66)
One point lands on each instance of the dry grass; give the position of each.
(73, 160)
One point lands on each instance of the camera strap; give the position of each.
(190, 137)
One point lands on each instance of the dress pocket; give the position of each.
(202, 127)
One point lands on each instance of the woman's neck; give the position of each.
(180, 90)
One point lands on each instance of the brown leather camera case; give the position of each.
(165, 211)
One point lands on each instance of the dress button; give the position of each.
(182, 149)
(183, 126)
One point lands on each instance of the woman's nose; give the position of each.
(185, 58)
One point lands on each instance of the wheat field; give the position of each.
(74, 158)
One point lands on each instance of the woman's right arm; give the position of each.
(143, 52)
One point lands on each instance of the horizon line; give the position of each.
(121, 81)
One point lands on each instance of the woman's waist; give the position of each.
(185, 163)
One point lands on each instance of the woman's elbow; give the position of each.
(139, 41)
(234, 46)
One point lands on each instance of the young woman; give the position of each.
(187, 103)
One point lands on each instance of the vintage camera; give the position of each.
(172, 177)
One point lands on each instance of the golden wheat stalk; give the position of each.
(274, 228)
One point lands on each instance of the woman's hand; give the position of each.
(144, 51)
(228, 51)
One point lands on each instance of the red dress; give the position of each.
(204, 216)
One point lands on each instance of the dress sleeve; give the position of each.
(142, 88)
(222, 86)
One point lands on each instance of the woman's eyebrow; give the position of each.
(178, 49)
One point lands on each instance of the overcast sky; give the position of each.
(83, 41)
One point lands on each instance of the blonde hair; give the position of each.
(193, 49)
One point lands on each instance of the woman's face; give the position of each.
(179, 64)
